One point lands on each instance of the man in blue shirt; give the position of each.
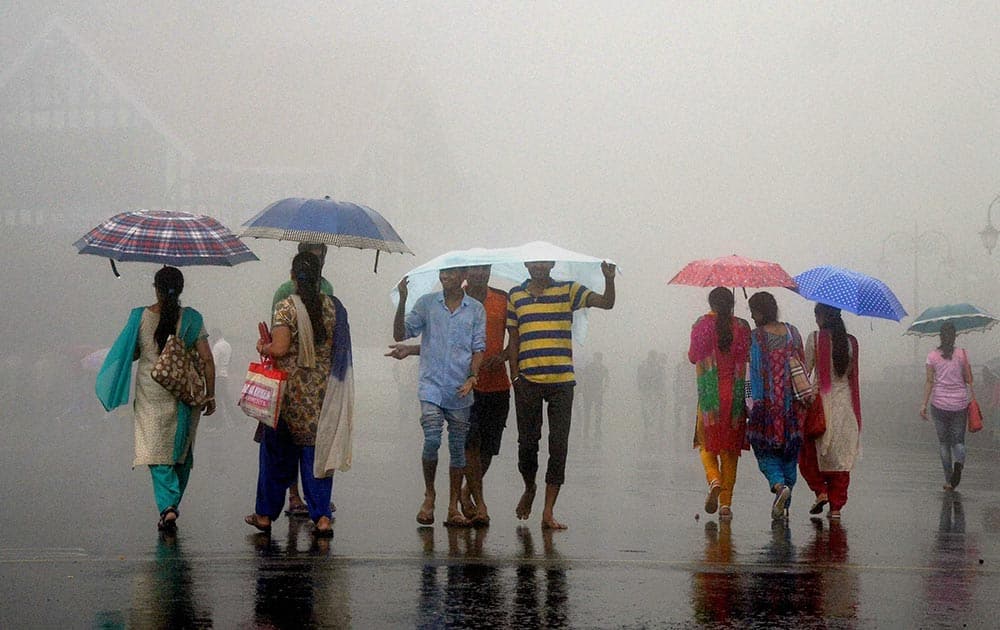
(452, 331)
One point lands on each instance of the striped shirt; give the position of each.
(545, 329)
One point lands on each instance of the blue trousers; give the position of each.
(169, 483)
(778, 468)
(279, 458)
(950, 427)
(432, 419)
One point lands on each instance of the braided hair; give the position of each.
(722, 302)
(169, 283)
(830, 319)
(947, 346)
(306, 273)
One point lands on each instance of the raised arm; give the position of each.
(607, 299)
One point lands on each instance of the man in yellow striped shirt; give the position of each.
(539, 323)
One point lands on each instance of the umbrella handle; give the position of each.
(114, 268)
(376, 261)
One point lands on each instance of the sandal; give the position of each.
(254, 520)
(712, 500)
(324, 532)
(725, 513)
(168, 524)
(819, 504)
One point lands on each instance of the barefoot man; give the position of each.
(452, 330)
(488, 416)
(539, 322)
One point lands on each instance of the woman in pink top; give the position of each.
(947, 389)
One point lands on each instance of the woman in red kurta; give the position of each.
(720, 346)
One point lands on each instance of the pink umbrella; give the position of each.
(733, 271)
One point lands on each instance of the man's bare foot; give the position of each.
(455, 519)
(468, 505)
(481, 517)
(523, 509)
(426, 514)
(551, 523)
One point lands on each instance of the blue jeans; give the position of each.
(778, 468)
(950, 427)
(432, 419)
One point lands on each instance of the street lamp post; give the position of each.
(989, 233)
(914, 241)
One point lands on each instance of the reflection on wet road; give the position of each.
(907, 554)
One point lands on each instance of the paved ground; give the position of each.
(80, 548)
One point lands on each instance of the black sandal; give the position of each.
(165, 524)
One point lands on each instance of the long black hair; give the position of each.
(306, 272)
(169, 283)
(947, 346)
(764, 304)
(832, 321)
(721, 300)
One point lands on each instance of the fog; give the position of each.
(856, 135)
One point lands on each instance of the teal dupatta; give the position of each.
(114, 380)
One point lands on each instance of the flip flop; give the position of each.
(425, 519)
(323, 533)
(481, 521)
(168, 525)
(299, 509)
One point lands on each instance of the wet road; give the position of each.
(79, 546)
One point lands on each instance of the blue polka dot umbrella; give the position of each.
(965, 318)
(850, 291)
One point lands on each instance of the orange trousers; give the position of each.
(721, 467)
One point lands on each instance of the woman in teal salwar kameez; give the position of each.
(165, 428)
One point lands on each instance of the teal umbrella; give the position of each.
(965, 318)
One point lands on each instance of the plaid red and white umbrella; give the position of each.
(167, 237)
(733, 271)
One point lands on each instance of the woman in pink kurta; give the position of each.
(720, 346)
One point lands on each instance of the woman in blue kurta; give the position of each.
(775, 426)
(165, 428)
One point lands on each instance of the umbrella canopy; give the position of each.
(162, 236)
(733, 271)
(851, 291)
(338, 223)
(965, 318)
(508, 262)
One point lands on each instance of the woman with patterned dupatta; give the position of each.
(165, 427)
(720, 346)
(775, 427)
(826, 462)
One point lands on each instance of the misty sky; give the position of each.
(651, 134)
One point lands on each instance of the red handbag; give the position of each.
(815, 422)
(975, 417)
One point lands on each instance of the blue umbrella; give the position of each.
(965, 318)
(850, 291)
(338, 223)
